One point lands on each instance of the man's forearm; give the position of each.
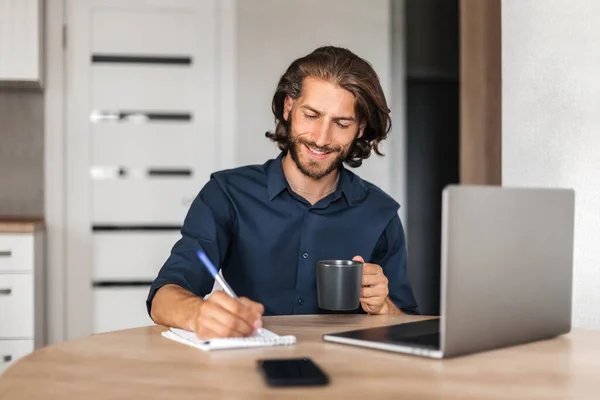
(174, 306)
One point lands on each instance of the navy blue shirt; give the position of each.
(267, 239)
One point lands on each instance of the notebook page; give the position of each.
(263, 339)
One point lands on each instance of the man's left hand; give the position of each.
(374, 293)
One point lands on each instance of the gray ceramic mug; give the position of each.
(338, 284)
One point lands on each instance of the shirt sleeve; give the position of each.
(391, 256)
(208, 225)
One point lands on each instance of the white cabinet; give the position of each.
(21, 43)
(21, 290)
(12, 350)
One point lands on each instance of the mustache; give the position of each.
(311, 144)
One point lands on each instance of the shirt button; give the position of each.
(305, 255)
(300, 301)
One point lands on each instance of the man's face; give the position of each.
(323, 127)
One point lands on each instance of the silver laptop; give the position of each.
(506, 275)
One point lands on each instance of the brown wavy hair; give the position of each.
(347, 70)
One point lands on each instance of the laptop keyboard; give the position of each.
(429, 340)
(422, 333)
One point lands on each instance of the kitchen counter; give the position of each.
(20, 224)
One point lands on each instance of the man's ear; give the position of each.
(288, 103)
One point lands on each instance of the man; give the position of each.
(267, 225)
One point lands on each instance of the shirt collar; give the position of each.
(350, 185)
(276, 181)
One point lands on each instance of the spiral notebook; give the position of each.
(265, 338)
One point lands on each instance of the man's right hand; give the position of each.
(220, 316)
(217, 316)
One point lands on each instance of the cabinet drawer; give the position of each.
(16, 252)
(16, 306)
(117, 308)
(12, 350)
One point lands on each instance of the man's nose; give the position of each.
(322, 136)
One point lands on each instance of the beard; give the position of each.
(315, 169)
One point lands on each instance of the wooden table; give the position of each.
(140, 363)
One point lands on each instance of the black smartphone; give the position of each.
(292, 372)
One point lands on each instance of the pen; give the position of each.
(215, 274)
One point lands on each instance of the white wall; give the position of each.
(551, 120)
(272, 33)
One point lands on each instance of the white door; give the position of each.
(142, 84)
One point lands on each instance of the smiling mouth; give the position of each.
(318, 154)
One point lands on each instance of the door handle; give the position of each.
(6, 291)
(7, 358)
(5, 253)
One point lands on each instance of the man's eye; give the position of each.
(310, 116)
(343, 126)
